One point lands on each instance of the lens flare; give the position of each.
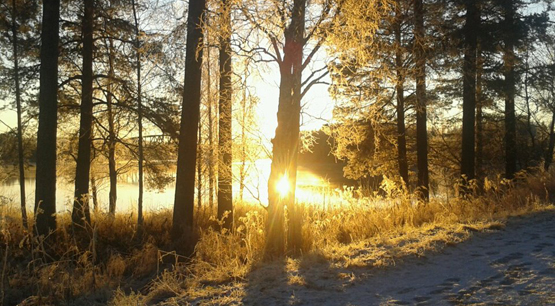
(282, 186)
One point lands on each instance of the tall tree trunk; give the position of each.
(140, 117)
(479, 115)
(551, 146)
(45, 192)
(509, 60)
(21, 159)
(469, 92)
(94, 191)
(529, 124)
(225, 193)
(186, 161)
(112, 172)
(400, 91)
(81, 211)
(210, 156)
(286, 141)
(421, 116)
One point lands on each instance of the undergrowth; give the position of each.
(119, 266)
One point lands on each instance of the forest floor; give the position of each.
(512, 264)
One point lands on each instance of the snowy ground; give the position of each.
(513, 266)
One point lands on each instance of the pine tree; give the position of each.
(45, 192)
(421, 113)
(471, 29)
(81, 212)
(182, 227)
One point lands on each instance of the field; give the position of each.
(123, 267)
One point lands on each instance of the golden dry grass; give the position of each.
(121, 267)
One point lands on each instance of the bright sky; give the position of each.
(317, 105)
(8, 118)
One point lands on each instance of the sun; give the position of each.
(282, 186)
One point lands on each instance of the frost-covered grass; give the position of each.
(121, 267)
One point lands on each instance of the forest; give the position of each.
(397, 129)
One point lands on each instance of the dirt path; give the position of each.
(514, 266)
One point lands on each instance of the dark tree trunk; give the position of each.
(225, 195)
(45, 193)
(479, 116)
(81, 211)
(400, 91)
(140, 118)
(286, 141)
(421, 116)
(549, 153)
(527, 99)
(509, 60)
(94, 191)
(182, 228)
(113, 193)
(469, 91)
(21, 160)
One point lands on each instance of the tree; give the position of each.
(400, 95)
(112, 171)
(421, 114)
(288, 29)
(81, 212)
(19, 125)
(225, 192)
(45, 192)
(471, 29)
(137, 45)
(16, 20)
(286, 140)
(509, 62)
(182, 227)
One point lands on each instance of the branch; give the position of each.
(314, 82)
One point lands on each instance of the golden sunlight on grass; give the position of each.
(282, 186)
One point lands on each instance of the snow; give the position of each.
(513, 266)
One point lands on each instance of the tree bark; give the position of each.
(225, 192)
(20, 155)
(210, 157)
(94, 192)
(509, 60)
(479, 115)
(45, 192)
(286, 141)
(400, 92)
(112, 172)
(551, 146)
(529, 123)
(140, 117)
(421, 116)
(182, 228)
(469, 92)
(81, 211)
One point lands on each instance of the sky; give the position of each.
(317, 105)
